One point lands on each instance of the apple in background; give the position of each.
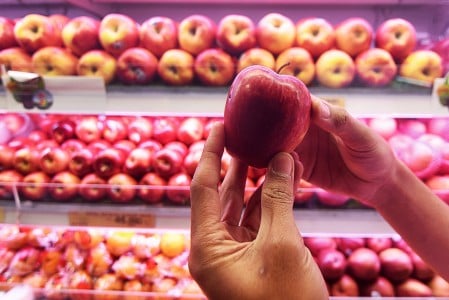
(256, 56)
(439, 286)
(80, 280)
(34, 187)
(117, 33)
(191, 161)
(335, 69)
(397, 36)
(36, 136)
(164, 130)
(178, 146)
(384, 125)
(80, 35)
(381, 287)
(316, 244)
(136, 66)
(97, 63)
(331, 199)
(59, 20)
(139, 129)
(26, 160)
(35, 31)
(375, 67)
(125, 146)
(81, 162)
(108, 162)
(178, 189)
(412, 127)
(214, 67)
(9, 176)
(412, 287)
(423, 65)
(190, 130)
(99, 145)
(196, 33)
(16, 59)
(364, 264)
(151, 145)
(298, 62)
(378, 244)
(122, 188)
(63, 130)
(159, 34)
(256, 117)
(316, 35)
(421, 270)
(346, 286)
(7, 38)
(175, 67)
(138, 162)
(53, 160)
(64, 186)
(275, 32)
(72, 145)
(236, 34)
(167, 162)
(349, 244)
(92, 187)
(439, 126)
(151, 188)
(396, 264)
(108, 282)
(305, 193)
(353, 36)
(439, 184)
(332, 264)
(6, 157)
(88, 129)
(113, 130)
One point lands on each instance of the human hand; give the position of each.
(341, 154)
(252, 253)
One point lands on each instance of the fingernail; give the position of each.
(324, 110)
(282, 164)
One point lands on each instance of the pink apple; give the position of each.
(214, 67)
(92, 187)
(7, 38)
(53, 160)
(88, 129)
(140, 129)
(196, 33)
(440, 185)
(125, 146)
(396, 264)
(178, 189)
(354, 36)
(364, 264)
(190, 130)
(275, 32)
(35, 186)
(397, 36)
(151, 188)
(80, 35)
(439, 126)
(412, 127)
(316, 35)
(159, 34)
(138, 162)
(117, 33)
(375, 67)
(136, 65)
(36, 136)
(316, 244)
(64, 186)
(236, 34)
(122, 188)
(256, 56)
(385, 126)
(332, 263)
(175, 67)
(378, 244)
(97, 63)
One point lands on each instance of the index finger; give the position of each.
(204, 197)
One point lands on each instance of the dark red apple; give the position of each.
(265, 113)
(364, 264)
(138, 162)
(167, 162)
(190, 130)
(6, 156)
(8, 180)
(108, 162)
(63, 130)
(381, 287)
(421, 270)
(178, 188)
(122, 188)
(178, 146)
(26, 160)
(81, 162)
(396, 264)
(164, 130)
(191, 161)
(316, 244)
(72, 145)
(413, 288)
(348, 244)
(92, 187)
(378, 244)
(151, 188)
(332, 263)
(346, 286)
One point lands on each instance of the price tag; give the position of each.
(2, 215)
(335, 101)
(106, 219)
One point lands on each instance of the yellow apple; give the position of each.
(54, 61)
(375, 67)
(335, 69)
(297, 62)
(175, 67)
(275, 32)
(117, 33)
(256, 56)
(196, 33)
(214, 67)
(98, 63)
(316, 35)
(353, 36)
(16, 59)
(424, 65)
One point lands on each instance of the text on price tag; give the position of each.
(110, 219)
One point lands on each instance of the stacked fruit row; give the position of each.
(101, 260)
(150, 159)
(198, 50)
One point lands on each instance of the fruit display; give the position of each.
(101, 263)
(151, 159)
(200, 50)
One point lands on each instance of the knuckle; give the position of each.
(277, 194)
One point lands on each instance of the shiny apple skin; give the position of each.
(265, 113)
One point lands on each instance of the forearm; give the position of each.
(418, 216)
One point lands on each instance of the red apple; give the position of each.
(421, 270)
(178, 188)
(117, 33)
(138, 162)
(275, 32)
(439, 184)
(6, 157)
(136, 65)
(191, 161)
(335, 69)
(99, 145)
(59, 20)
(256, 56)
(375, 67)
(79, 281)
(413, 288)
(196, 33)
(97, 63)
(354, 36)
(26, 160)
(54, 61)
(214, 67)
(383, 125)
(199, 146)
(113, 130)
(236, 34)
(92, 187)
(16, 59)
(332, 263)
(64, 186)
(298, 62)
(53, 160)
(281, 121)
(151, 145)
(381, 287)
(139, 129)
(190, 130)
(35, 31)
(151, 188)
(346, 286)
(316, 35)
(439, 126)
(305, 193)
(167, 162)
(439, 286)
(36, 136)
(423, 65)
(63, 130)
(25, 261)
(349, 244)
(72, 145)
(412, 127)
(80, 35)
(364, 264)
(159, 34)
(318, 243)
(9, 180)
(378, 244)
(88, 129)
(7, 38)
(397, 36)
(125, 146)
(164, 130)
(175, 67)
(396, 264)
(122, 188)
(331, 199)
(81, 162)
(108, 162)
(42, 145)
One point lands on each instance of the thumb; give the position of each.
(277, 197)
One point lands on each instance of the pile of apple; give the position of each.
(199, 50)
(97, 264)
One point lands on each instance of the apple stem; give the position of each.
(282, 67)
